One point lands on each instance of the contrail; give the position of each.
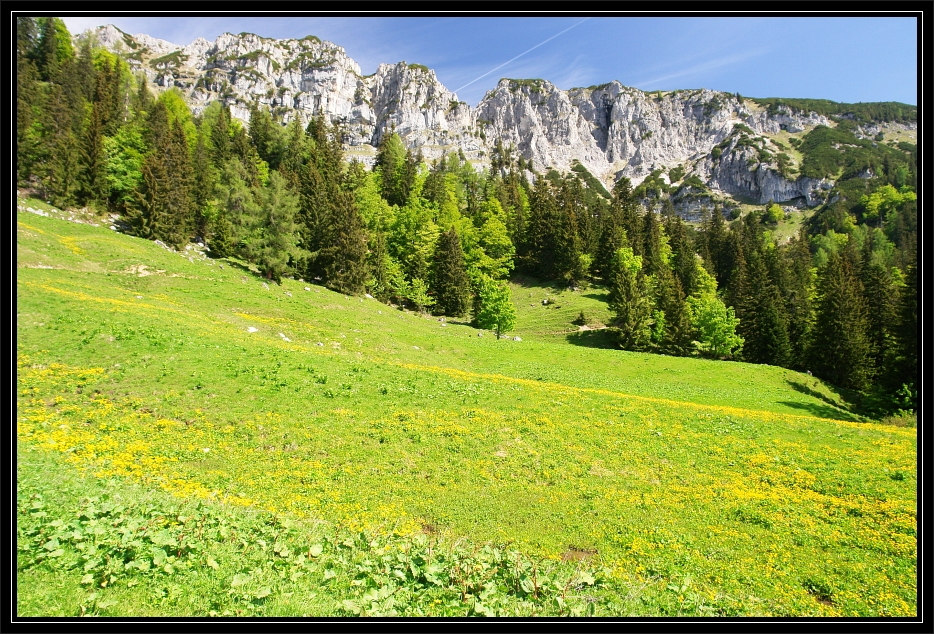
(521, 54)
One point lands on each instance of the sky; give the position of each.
(846, 59)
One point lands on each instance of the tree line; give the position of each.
(839, 299)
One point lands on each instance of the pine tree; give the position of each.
(85, 71)
(629, 213)
(839, 348)
(163, 209)
(26, 98)
(717, 244)
(567, 250)
(93, 182)
(683, 258)
(238, 213)
(265, 136)
(908, 325)
(61, 159)
(449, 276)
(628, 299)
(671, 301)
(763, 324)
(205, 181)
(277, 240)
(652, 257)
(798, 298)
(541, 244)
(393, 160)
(143, 99)
(434, 190)
(343, 261)
(220, 139)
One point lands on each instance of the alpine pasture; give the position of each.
(194, 441)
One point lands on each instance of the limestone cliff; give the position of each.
(613, 130)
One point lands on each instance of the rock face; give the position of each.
(613, 130)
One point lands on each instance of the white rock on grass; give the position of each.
(252, 329)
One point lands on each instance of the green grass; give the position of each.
(701, 487)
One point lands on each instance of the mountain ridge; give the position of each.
(611, 129)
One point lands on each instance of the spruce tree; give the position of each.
(798, 297)
(26, 98)
(61, 159)
(449, 276)
(907, 332)
(669, 298)
(652, 258)
(683, 260)
(541, 244)
(92, 158)
(629, 214)
(434, 190)
(628, 299)
(277, 241)
(839, 349)
(343, 261)
(567, 249)
(238, 213)
(763, 324)
(220, 138)
(205, 181)
(717, 244)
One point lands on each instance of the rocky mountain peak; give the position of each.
(611, 129)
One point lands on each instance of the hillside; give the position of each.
(698, 487)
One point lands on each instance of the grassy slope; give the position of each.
(665, 467)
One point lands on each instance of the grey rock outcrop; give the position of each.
(613, 130)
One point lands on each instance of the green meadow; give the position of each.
(194, 441)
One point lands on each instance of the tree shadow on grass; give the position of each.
(552, 287)
(603, 297)
(602, 338)
(831, 409)
(822, 411)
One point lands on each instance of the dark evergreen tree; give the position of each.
(276, 243)
(164, 205)
(221, 150)
(343, 261)
(93, 183)
(567, 250)
(628, 298)
(203, 186)
(434, 190)
(763, 325)
(798, 298)
(652, 261)
(683, 258)
(717, 245)
(265, 136)
(540, 241)
(450, 283)
(907, 366)
(85, 71)
(26, 98)
(629, 213)
(61, 156)
(669, 298)
(839, 349)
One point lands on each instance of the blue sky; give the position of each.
(840, 58)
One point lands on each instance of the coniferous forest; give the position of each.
(839, 299)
